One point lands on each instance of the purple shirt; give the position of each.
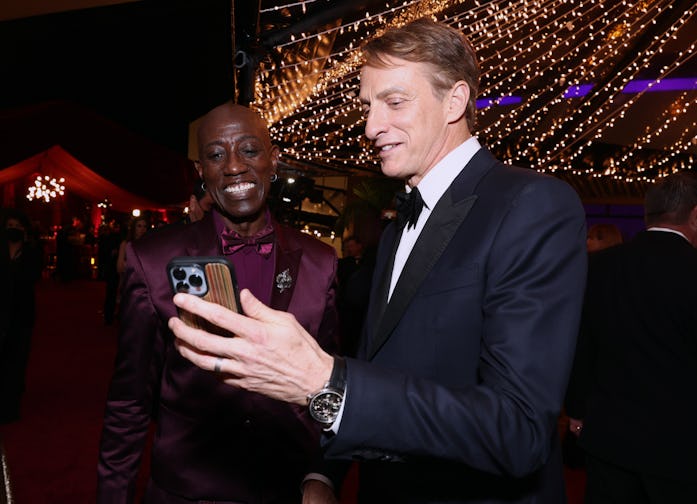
(253, 271)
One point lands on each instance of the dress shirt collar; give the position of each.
(438, 179)
(667, 230)
(432, 187)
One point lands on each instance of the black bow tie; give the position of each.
(409, 207)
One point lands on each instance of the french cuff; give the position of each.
(334, 428)
(317, 477)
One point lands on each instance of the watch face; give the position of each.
(325, 406)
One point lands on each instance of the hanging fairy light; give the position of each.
(571, 64)
(46, 188)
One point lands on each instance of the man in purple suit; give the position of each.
(215, 443)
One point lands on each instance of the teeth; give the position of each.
(237, 188)
(386, 147)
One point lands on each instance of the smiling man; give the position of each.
(458, 383)
(214, 443)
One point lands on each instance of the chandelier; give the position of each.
(46, 188)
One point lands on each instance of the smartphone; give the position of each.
(210, 278)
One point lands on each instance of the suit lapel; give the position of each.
(286, 271)
(434, 238)
(204, 240)
(383, 287)
(450, 211)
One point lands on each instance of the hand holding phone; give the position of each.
(210, 278)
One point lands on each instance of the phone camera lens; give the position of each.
(196, 280)
(179, 274)
(182, 287)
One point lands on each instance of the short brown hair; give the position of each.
(447, 50)
(671, 199)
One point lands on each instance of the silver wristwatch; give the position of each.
(324, 405)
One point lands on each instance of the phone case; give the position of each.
(210, 278)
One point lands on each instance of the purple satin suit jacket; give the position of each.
(213, 442)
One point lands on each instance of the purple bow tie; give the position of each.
(262, 242)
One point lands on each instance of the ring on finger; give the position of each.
(218, 365)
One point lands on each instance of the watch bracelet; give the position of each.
(337, 380)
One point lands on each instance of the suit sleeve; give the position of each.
(528, 312)
(328, 334)
(129, 407)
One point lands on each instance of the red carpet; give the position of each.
(52, 450)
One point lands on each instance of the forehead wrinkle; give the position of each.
(237, 139)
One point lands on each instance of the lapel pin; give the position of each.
(284, 280)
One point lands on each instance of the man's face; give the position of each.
(236, 162)
(353, 248)
(404, 118)
(141, 227)
(13, 223)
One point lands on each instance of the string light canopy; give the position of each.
(46, 188)
(577, 89)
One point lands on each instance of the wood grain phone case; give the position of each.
(210, 278)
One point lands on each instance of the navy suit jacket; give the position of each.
(213, 441)
(457, 388)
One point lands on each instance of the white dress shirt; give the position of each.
(432, 187)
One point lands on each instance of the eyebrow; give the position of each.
(384, 93)
(237, 140)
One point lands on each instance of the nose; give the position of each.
(374, 124)
(234, 164)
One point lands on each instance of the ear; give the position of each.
(199, 168)
(689, 228)
(692, 219)
(457, 101)
(275, 156)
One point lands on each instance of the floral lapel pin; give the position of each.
(284, 280)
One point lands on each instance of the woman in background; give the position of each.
(136, 229)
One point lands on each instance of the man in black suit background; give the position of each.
(354, 274)
(635, 376)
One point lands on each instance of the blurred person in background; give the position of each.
(603, 235)
(137, 227)
(109, 244)
(20, 269)
(600, 237)
(355, 274)
(635, 371)
(200, 203)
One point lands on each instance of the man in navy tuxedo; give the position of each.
(214, 443)
(476, 299)
(635, 373)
